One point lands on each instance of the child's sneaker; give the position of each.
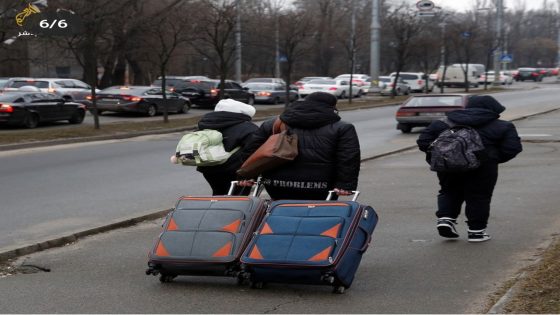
(446, 227)
(476, 236)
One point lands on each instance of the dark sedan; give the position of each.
(147, 100)
(422, 110)
(206, 92)
(271, 93)
(29, 109)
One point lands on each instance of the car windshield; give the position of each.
(385, 79)
(259, 80)
(38, 84)
(260, 87)
(435, 101)
(323, 82)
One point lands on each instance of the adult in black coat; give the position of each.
(328, 151)
(474, 188)
(233, 120)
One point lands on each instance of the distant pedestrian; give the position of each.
(328, 151)
(474, 187)
(233, 120)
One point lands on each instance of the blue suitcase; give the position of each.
(310, 242)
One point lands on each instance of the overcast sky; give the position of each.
(462, 5)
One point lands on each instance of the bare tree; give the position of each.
(404, 27)
(213, 35)
(295, 26)
(167, 32)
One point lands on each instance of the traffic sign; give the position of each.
(466, 34)
(425, 5)
(425, 13)
(506, 58)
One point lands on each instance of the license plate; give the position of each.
(315, 88)
(431, 114)
(112, 100)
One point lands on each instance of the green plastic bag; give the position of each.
(202, 148)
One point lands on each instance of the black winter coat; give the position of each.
(499, 137)
(328, 153)
(236, 129)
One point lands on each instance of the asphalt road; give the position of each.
(408, 268)
(57, 191)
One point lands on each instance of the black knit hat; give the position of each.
(323, 98)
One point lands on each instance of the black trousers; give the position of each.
(474, 188)
(221, 182)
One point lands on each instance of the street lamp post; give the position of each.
(498, 50)
(442, 57)
(375, 45)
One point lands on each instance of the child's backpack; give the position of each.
(202, 148)
(454, 150)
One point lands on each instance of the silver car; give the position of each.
(386, 85)
(71, 90)
(274, 93)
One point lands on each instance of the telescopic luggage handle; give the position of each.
(356, 193)
(256, 192)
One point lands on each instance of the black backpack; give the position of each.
(454, 150)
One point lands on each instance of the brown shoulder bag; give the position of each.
(280, 148)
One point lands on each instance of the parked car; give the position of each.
(489, 77)
(416, 80)
(146, 100)
(303, 80)
(386, 84)
(338, 88)
(363, 81)
(265, 80)
(274, 93)
(178, 83)
(206, 93)
(69, 89)
(29, 109)
(422, 110)
(528, 74)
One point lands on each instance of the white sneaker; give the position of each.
(477, 236)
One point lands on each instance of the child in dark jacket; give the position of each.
(474, 188)
(233, 120)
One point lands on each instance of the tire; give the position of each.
(406, 128)
(77, 117)
(251, 101)
(342, 95)
(276, 101)
(185, 108)
(31, 120)
(67, 98)
(151, 111)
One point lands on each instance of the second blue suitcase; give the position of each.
(310, 242)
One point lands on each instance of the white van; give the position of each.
(455, 76)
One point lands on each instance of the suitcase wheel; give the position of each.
(163, 278)
(257, 285)
(339, 289)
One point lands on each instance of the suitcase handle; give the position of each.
(256, 192)
(356, 193)
(366, 244)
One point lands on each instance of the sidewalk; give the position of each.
(408, 268)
